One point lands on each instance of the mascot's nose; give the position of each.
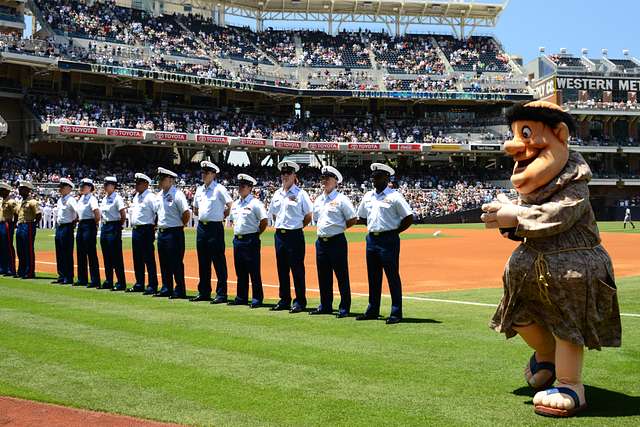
(514, 146)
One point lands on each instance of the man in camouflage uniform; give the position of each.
(8, 217)
(29, 215)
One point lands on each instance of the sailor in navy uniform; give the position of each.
(211, 204)
(386, 214)
(291, 211)
(249, 221)
(144, 211)
(333, 212)
(66, 218)
(89, 217)
(173, 215)
(114, 214)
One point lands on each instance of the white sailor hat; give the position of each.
(5, 186)
(207, 165)
(110, 180)
(167, 172)
(26, 184)
(331, 171)
(243, 177)
(86, 181)
(382, 167)
(142, 177)
(288, 164)
(66, 181)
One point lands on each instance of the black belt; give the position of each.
(112, 222)
(382, 233)
(26, 222)
(84, 221)
(245, 236)
(143, 226)
(285, 231)
(328, 238)
(66, 224)
(162, 230)
(209, 222)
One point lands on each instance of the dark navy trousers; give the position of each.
(7, 252)
(142, 246)
(290, 248)
(210, 247)
(25, 241)
(111, 243)
(332, 257)
(87, 253)
(246, 258)
(64, 252)
(171, 255)
(383, 253)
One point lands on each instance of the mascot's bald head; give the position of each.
(540, 143)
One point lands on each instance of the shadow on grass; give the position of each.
(602, 402)
(417, 320)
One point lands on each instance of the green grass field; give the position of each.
(218, 365)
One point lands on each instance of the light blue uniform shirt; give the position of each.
(246, 215)
(384, 211)
(86, 205)
(66, 209)
(144, 208)
(172, 205)
(290, 208)
(331, 213)
(110, 207)
(211, 201)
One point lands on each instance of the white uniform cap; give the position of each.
(66, 181)
(26, 184)
(110, 180)
(143, 177)
(247, 178)
(5, 186)
(330, 170)
(86, 181)
(288, 164)
(205, 164)
(167, 172)
(382, 167)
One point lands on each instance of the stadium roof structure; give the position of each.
(463, 16)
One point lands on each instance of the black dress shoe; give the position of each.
(150, 291)
(296, 309)
(162, 295)
(342, 315)
(219, 300)
(119, 287)
(255, 305)
(88, 285)
(236, 302)
(57, 281)
(199, 297)
(280, 307)
(178, 296)
(136, 288)
(106, 285)
(316, 311)
(393, 320)
(367, 317)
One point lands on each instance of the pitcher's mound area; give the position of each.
(25, 413)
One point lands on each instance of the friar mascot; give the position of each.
(559, 288)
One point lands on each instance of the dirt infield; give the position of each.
(25, 413)
(461, 259)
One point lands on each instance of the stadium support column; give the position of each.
(220, 15)
(330, 24)
(259, 22)
(633, 127)
(397, 24)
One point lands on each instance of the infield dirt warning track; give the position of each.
(459, 259)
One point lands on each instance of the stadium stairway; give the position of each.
(377, 75)
(442, 56)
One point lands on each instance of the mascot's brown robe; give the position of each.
(560, 276)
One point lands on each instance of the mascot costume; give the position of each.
(559, 288)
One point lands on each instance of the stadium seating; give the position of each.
(410, 54)
(477, 53)
(566, 61)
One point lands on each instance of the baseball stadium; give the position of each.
(180, 180)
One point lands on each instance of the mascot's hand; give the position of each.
(501, 213)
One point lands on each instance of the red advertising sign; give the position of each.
(405, 147)
(171, 136)
(125, 133)
(363, 146)
(323, 146)
(212, 139)
(252, 142)
(78, 130)
(292, 145)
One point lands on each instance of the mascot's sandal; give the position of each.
(561, 413)
(535, 367)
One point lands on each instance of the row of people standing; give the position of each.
(384, 211)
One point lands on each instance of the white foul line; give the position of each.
(361, 294)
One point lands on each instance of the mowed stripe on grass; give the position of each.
(217, 365)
